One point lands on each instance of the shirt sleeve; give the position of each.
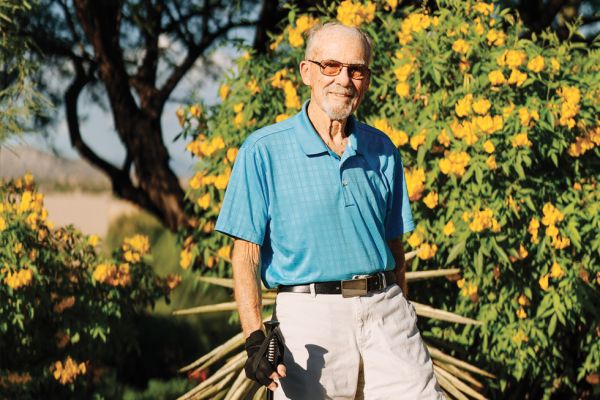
(399, 219)
(244, 213)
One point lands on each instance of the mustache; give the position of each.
(342, 90)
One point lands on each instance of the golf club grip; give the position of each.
(271, 349)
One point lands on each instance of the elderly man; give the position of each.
(317, 204)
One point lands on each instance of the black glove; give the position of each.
(258, 368)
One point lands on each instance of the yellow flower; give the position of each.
(431, 200)
(204, 201)
(67, 372)
(427, 251)
(523, 253)
(521, 313)
(449, 228)
(552, 215)
(483, 8)
(555, 65)
(403, 89)
(556, 271)
(224, 252)
(460, 46)
(292, 100)
(391, 5)
(569, 107)
(523, 300)
(533, 228)
(536, 64)
(398, 137)
(278, 79)
(112, 275)
(418, 139)
(238, 120)
(137, 243)
(526, 116)
(496, 78)
(93, 240)
(496, 38)
(2, 224)
(481, 220)
(222, 180)
(463, 106)
(18, 279)
(415, 183)
(443, 138)
(172, 281)
(238, 107)
(559, 242)
(481, 106)
(253, 87)
(25, 204)
(403, 72)
(515, 58)
(414, 240)
(281, 117)
(195, 110)
(454, 163)
(488, 146)
(543, 281)
(352, 13)
(521, 140)
(180, 113)
(185, 258)
(223, 91)
(232, 153)
(520, 337)
(467, 289)
(552, 231)
(196, 180)
(517, 77)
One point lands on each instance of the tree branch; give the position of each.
(193, 53)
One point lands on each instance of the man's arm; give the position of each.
(247, 290)
(398, 252)
(246, 283)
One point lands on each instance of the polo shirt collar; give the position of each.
(311, 142)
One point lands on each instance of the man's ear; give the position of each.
(305, 72)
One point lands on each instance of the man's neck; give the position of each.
(328, 129)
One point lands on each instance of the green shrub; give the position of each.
(500, 140)
(65, 314)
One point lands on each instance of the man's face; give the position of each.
(338, 96)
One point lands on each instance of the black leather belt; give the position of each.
(359, 285)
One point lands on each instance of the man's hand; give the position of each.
(257, 367)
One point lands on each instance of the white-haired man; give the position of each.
(318, 205)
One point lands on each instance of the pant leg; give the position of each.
(396, 362)
(321, 354)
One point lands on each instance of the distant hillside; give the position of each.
(51, 172)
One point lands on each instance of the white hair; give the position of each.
(314, 31)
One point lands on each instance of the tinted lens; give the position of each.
(358, 71)
(331, 68)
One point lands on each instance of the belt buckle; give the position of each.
(357, 286)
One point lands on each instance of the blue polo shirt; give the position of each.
(317, 217)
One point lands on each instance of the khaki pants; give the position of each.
(353, 348)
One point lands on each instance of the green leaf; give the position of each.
(456, 250)
(552, 325)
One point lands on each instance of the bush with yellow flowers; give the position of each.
(65, 314)
(500, 139)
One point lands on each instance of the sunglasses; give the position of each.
(333, 68)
